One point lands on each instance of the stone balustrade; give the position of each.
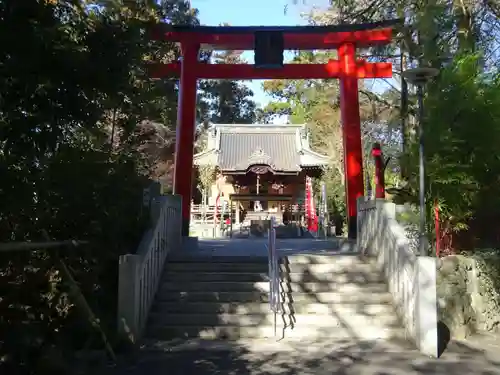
(411, 279)
(140, 273)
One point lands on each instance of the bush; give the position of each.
(84, 195)
(462, 130)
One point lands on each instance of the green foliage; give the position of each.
(90, 195)
(73, 162)
(462, 130)
(206, 176)
(335, 191)
(226, 101)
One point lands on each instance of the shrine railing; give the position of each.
(140, 273)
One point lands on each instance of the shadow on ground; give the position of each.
(366, 357)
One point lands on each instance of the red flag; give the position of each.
(311, 217)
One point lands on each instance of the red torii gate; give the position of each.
(269, 44)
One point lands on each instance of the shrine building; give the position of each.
(260, 167)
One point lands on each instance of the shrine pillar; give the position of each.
(185, 132)
(351, 129)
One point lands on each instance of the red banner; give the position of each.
(311, 217)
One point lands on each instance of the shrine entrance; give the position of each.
(269, 44)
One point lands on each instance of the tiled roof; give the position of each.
(236, 147)
(242, 147)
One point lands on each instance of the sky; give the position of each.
(249, 13)
(254, 13)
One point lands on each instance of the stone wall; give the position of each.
(468, 293)
(468, 286)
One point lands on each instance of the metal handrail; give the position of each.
(274, 272)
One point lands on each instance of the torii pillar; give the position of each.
(185, 131)
(351, 131)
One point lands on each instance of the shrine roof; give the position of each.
(235, 148)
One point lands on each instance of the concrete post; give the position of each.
(359, 218)
(155, 210)
(128, 320)
(426, 309)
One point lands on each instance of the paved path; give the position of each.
(334, 357)
(258, 246)
(486, 342)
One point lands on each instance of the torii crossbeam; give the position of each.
(269, 44)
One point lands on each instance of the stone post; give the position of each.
(426, 309)
(128, 320)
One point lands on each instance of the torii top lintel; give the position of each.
(295, 37)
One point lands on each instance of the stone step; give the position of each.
(200, 259)
(263, 286)
(333, 319)
(228, 332)
(178, 276)
(212, 266)
(247, 267)
(383, 307)
(342, 259)
(260, 296)
(340, 277)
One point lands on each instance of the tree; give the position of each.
(73, 126)
(432, 33)
(226, 101)
(440, 34)
(463, 119)
(206, 176)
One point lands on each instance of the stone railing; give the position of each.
(140, 273)
(411, 279)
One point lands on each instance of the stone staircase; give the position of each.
(323, 297)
